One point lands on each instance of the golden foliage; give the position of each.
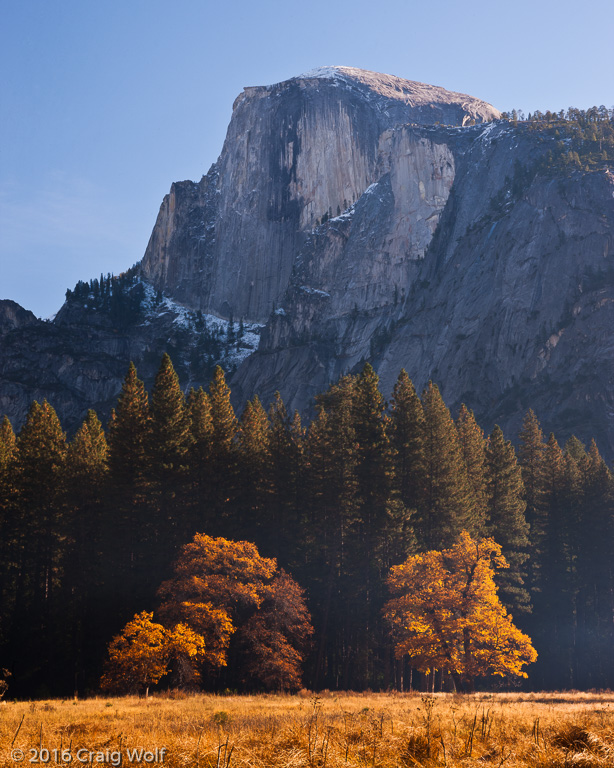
(446, 613)
(277, 635)
(138, 656)
(222, 586)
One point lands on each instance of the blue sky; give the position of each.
(104, 104)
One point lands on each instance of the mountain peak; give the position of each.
(399, 91)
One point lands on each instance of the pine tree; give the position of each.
(506, 522)
(136, 527)
(531, 454)
(384, 534)
(446, 508)
(555, 601)
(473, 446)
(329, 531)
(8, 443)
(170, 426)
(168, 462)
(130, 434)
(223, 454)
(374, 461)
(596, 572)
(86, 595)
(407, 439)
(253, 492)
(8, 552)
(575, 450)
(199, 457)
(287, 448)
(38, 631)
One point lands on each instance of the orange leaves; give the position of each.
(138, 657)
(277, 635)
(224, 586)
(230, 573)
(446, 613)
(220, 587)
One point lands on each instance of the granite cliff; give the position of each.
(355, 216)
(295, 152)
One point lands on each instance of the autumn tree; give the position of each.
(277, 635)
(445, 614)
(138, 656)
(221, 587)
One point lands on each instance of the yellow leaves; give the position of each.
(231, 573)
(141, 654)
(138, 657)
(220, 586)
(183, 639)
(446, 613)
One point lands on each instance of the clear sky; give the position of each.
(104, 104)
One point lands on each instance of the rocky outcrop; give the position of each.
(507, 307)
(357, 216)
(295, 153)
(12, 316)
(79, 360)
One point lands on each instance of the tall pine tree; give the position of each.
(135, 522)
(446, 509)
(253, 488)
(87, 596)
(170, 440)
(473, 446)
(38, 633)
(506, 522)
(223, 451)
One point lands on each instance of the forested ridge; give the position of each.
(90, 528)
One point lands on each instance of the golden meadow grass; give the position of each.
(544, 730)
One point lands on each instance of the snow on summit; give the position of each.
(391, 87)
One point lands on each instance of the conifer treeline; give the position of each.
(90, 528)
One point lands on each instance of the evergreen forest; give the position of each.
(90, 527)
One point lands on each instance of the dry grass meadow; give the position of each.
(548, 730)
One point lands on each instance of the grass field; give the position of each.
(543, 730)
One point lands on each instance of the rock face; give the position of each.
(79, 360)
(356, 216)
(14, 316)
(507, 306)
(295, 152)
